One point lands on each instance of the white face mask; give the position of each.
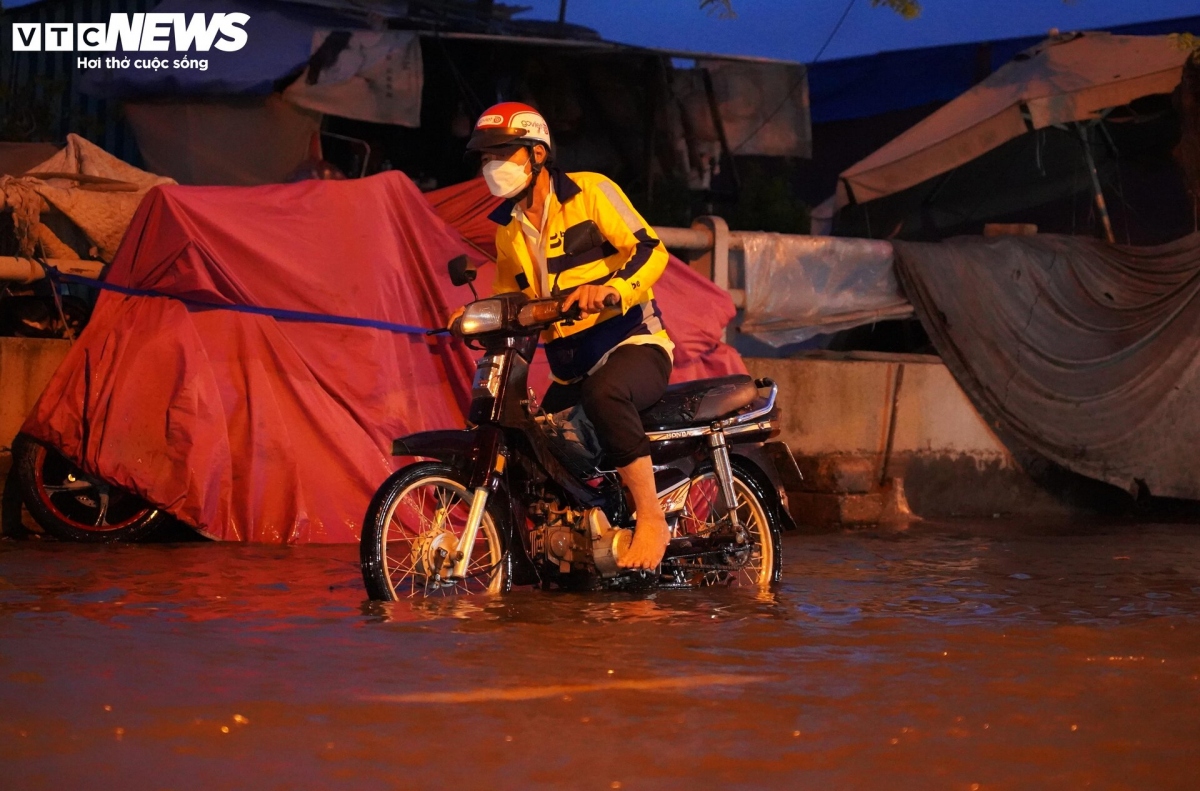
(504, 178)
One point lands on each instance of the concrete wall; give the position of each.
(858, 421)
(845, 405)
(26, 365)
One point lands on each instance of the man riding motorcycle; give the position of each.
(617, 359)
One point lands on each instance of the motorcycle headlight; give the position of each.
(484, 316)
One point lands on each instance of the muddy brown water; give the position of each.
(957, 656)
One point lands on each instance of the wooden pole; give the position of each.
(1101, 205)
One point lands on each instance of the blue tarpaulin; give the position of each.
(862, 87)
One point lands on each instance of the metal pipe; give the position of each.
(697, 238)
(720, 250)
(710, 233)
(685, 238)
(26, 270)
(755, 414)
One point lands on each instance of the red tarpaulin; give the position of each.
(466, 206)
(271, 428)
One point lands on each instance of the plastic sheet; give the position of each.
(801, 286)
(97, 215)
(242, 142)
(763, 107)
(1087, 353)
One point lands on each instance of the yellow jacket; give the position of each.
(631, 259)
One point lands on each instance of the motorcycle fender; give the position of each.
(776, 461)
(785, 465)
(471, 451)
(456, 447)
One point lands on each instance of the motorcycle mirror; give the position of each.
(462, 270)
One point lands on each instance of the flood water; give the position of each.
(960, 656)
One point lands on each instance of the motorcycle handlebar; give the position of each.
(545, 312)
(575, 313)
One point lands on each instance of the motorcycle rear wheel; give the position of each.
(71, 505)
(757, 563)
(411, 529)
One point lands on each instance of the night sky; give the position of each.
(796, 29)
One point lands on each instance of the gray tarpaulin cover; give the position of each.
(368, 75)
(763, 107)
(1072, 77)
(1087, 353)
(801, 286)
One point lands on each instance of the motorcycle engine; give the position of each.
(571, 540)
(559, 539)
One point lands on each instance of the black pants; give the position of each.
(632, 379)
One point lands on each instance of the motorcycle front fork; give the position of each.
(467, 542)
(489, 478)
(723, 469)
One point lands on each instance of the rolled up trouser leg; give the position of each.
(632, 379)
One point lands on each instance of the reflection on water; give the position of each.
(997, 655)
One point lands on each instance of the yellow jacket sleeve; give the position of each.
(507, 265)
(645, 256)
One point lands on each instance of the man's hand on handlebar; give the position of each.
(592, 299)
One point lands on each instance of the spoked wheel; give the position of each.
(71, 505)
(411, 533)
(713, 551)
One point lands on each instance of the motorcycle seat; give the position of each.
(700, 401)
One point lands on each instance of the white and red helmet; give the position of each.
(507, 123)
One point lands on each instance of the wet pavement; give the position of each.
(960, 656)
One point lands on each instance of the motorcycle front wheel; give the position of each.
(755, 561)
(410, 537)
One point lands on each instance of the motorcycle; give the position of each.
(508, 501)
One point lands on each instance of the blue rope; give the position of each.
(277, 313)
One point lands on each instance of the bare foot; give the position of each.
(652, 534)
(650, 540)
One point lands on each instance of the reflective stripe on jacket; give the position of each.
(630, 259)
